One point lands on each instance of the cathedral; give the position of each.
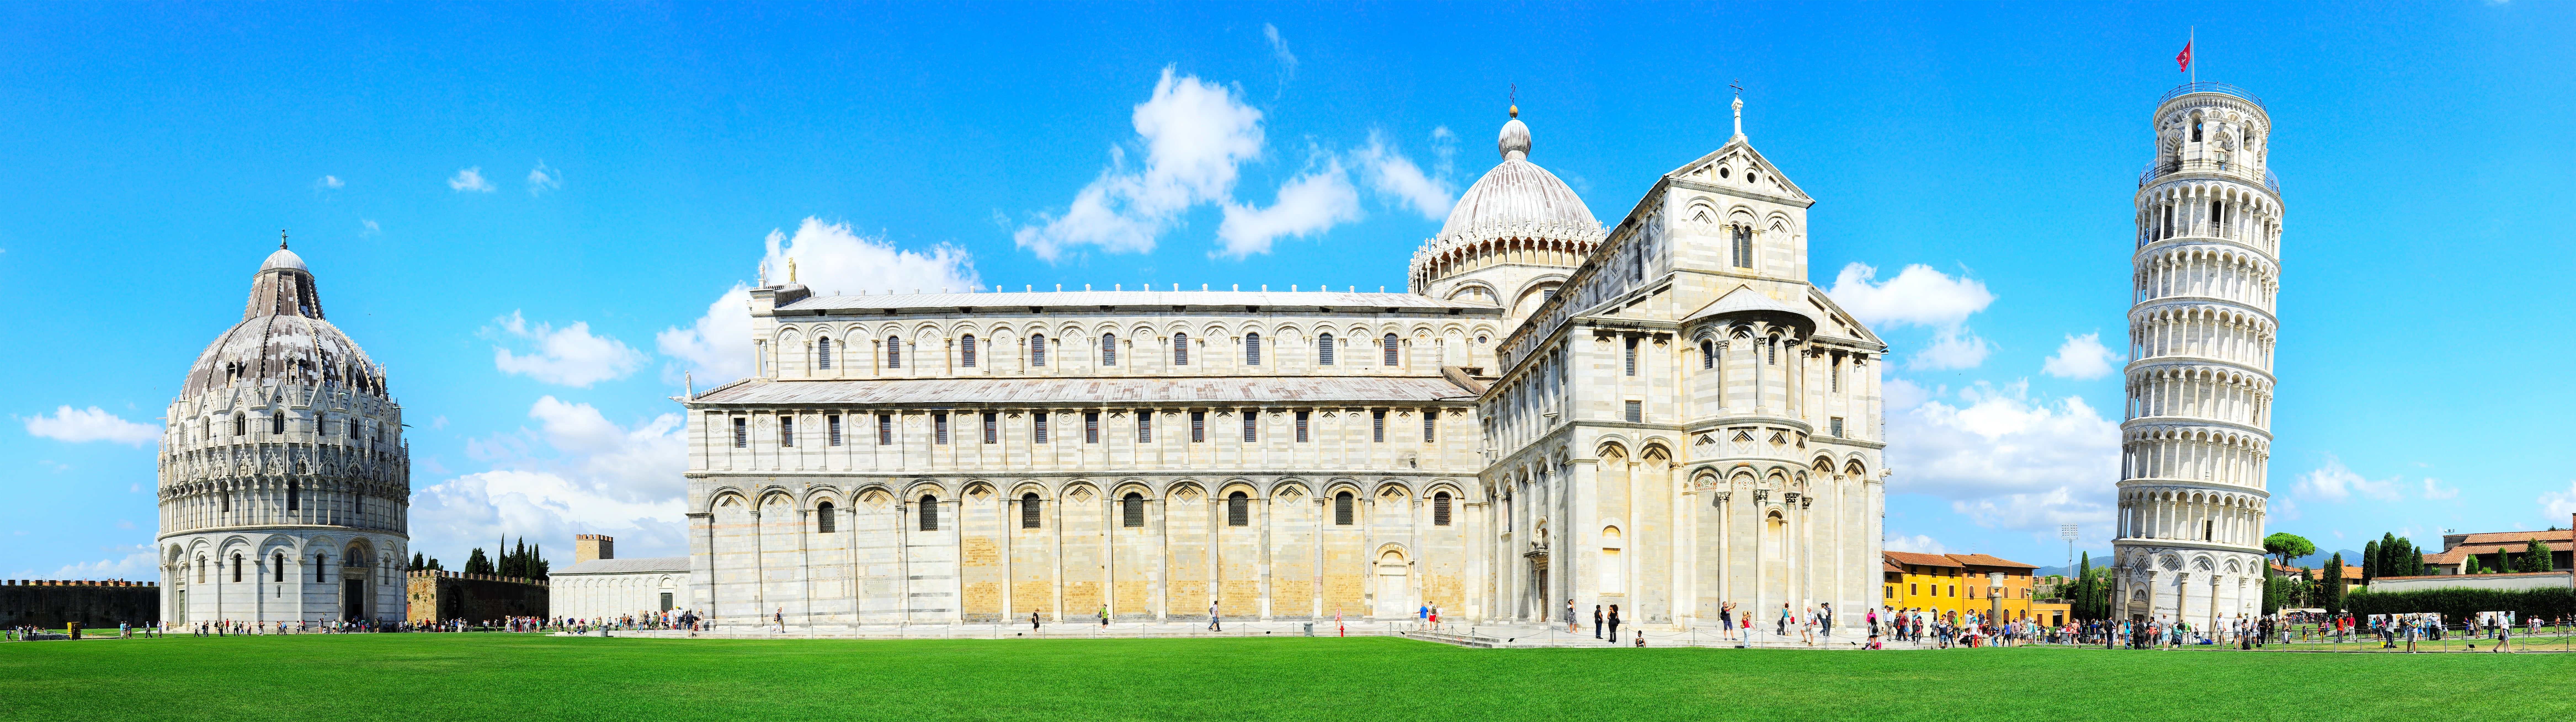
(1660, 413)
(285, 486)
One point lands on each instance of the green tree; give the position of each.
(2330, 591)
(477, 563)
(2369, 561)
(2535, 557)
(2289, 546)
(2472, 566)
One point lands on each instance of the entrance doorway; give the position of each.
(353, 599)
(1538, 576)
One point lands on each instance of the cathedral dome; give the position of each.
(283, 339)
(1518, 195)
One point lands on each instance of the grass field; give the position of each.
(489, 677)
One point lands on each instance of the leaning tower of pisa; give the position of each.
(2201, 329)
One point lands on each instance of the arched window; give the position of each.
(1440, 509)
(241, 424)
(1771, 350)
(201, 569)
(1132, 510)
(823, 353)
(321, 567)
(1109, 349)
(1707, 354)
(1180, 349)
(277, 421)
(1238, 509)
(1390, 343)
(966, 351)
(1324, 350)
(237, 565)
(226, 500)
(894, 352)
(1029, 514)
(1037, 349)
(1342, 509)
(823, 520)
(929, 513)
(294, 494)
(1252, 349)
(1743, 245)
(277, 569)
(1632, 355)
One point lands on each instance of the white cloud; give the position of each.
(570, 356)
(328, 182)
(1196, 134)
(2334, 482)
(1279, 50)
(371, 229)
(2559, 504)
(1391, 174)
(1951, 349)
(1919, 544)
(1919, 296)
(470, 179)
(830, 259)
(92, 424)
(2002, 458)
(542, 179)
(2081, 357)
(1308, 204)
(2434, 490)
(138, 564)
(602, 478)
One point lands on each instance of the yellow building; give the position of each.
(1959, 583)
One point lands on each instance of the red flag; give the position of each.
(2184, 59)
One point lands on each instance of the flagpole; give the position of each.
(2192, 40)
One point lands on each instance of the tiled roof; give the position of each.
(644, 565)
(1986, 560)
(1885, 566)
(1267, 300)
(1221, 390)
(2557, 539)
(1928, 560)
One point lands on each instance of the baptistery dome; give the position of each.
(1512, 238)
(285, 485)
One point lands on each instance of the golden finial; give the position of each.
(1516, 100)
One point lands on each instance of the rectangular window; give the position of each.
(1238, 510)
(939, 428)
(741, 433)
(1144, 427)
(1891, 592)
(1440, 509)
(1632, 356)
(966, 351)
(1132, 513)
(1430, 425)
(1250, 427)
(1914, 589)
(786, 430)
(1636, 412)
(992, 428)
(1029, 513)
(1837, 375)
(1743, 246)
(832, 426)
(1091, 427)
(823, 522)
(1834, 426)
(1198, 426)
(894, 353)
(885, 429)
(1252, 349)
(1108, 349)
(1377, 426)
(1041, 427)
(1037, 350)
(1301, 427)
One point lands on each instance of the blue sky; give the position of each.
(631, 165)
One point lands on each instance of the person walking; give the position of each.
(1614, 624)
(1422, 616)
(1213, 626)
(1596, 621)
(1785, 614)
(2504, 638)
(1104, 616)
(1570, 627)
(1033, 620)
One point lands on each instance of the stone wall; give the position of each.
(433, 595)
(94, 604)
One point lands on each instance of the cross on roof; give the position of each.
(281, 239)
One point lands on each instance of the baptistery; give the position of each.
(284, 481)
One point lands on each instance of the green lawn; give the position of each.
(491, 677)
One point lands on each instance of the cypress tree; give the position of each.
(2330, 594)
(2370, 561)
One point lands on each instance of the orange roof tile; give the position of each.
(1987, 560)
(1928, 560)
